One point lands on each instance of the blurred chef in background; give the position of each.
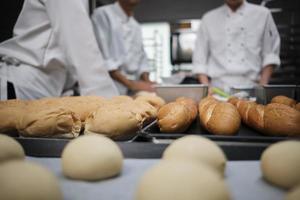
(237, 45)
(53, 47)
(120, 40)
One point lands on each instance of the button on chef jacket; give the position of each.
(120, 41)
(233, 47)
(55, 45)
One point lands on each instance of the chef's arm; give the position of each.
(145, 77)
(266, 74)
(130, 84)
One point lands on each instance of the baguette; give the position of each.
(177, 116)
(220, 118)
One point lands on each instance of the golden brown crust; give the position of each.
(256, 117)
(173, 117)
(243, 107)
(284, 100)
(298, 107)
(219, 117)
(233, 100)
(281, 120)
(225, 120)
(191, 105)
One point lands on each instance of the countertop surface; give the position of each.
(243, 178)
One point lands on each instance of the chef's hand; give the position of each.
(141, 86)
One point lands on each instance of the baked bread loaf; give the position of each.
(284, 100)
(81, 105)
(298, 107)
(273, 119)
(10, 111)
(49, 122)
(220, 118)
(281, 120)
(177, 116)
(118, 120)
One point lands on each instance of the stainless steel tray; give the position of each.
(171, 92)
(271, 91)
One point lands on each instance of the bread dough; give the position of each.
(197, 149)
(181, 181)
(280, 164)
(10, 149)
(22, 180)
(294, 194)
(91, 157)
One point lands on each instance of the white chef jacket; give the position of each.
(233, 47)
(120, 41)
(55, 45)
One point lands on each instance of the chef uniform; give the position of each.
(120, 41)
(53, 47)
(233, 47)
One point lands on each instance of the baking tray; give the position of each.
(245, 134)
(171, 92)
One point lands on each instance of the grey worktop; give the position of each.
(243, 178)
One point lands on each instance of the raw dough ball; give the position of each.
(280, 164)
(294, 194)
(91, 157)
(198, 149)
(10, 149)
(22, 180)
(181, 181)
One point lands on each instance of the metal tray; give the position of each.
(245, 134)
(171, 92)
(275, 90)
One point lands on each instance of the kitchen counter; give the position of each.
(243, 178)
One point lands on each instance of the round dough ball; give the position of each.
(22, 180)
(91, 157)
(280, 164)
(197, 149)
(181, 181)
(294, 194)
(10, 149)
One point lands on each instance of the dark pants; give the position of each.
(11, 94)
